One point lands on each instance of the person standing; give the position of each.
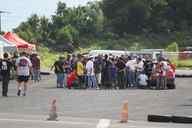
(139, 69)
(121, 73)
(80, 72)
(73, 62)
(131, 67)
(35, 68)
(67, 65)
(148, 66)
(105, 72)
(5, 67)
(156, 74)
(163, 72)
(24, 66)
(113, 73)
(91, 74)
(98, 70)
(59, 71)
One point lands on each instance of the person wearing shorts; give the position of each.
(24, 66)
(21, 79)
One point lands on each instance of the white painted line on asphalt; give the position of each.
(37, 117)
(136, 126)
(47, 122)
(104, 123)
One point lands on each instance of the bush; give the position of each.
(185, 64)
(173, 47)
(47, 57)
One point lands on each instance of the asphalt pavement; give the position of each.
(84, 108)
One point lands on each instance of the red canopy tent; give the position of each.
(21, 44)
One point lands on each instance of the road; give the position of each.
(84, 108)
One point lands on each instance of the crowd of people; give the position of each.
(24, 67)
(112, 72)
(99, 72)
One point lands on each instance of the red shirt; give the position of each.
(170, 74)
(70, 78)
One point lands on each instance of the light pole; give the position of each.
(1, 12)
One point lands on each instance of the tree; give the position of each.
(156, 20)
(181, 14)
(35, 29)
(128, 16)
(44, 29)
(61, 8)
(67, 34)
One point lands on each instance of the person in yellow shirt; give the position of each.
(80, 71)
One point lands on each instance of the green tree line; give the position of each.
(112, 24)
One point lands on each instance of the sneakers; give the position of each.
(97, 88)
(19, 93)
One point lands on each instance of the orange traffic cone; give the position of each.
(124, 113)
(53, 111)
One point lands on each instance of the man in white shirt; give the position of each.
(139, 68)
(139, 65)
(131, 66)
(91, 74)
(90, 67)
(24, 66)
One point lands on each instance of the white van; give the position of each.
(94, 53)
(152, 54)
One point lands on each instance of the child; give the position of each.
(142, 80)
(71, 78)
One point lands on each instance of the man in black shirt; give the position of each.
(98, 69)
(121, 73)
(59, 71)
(5, 67)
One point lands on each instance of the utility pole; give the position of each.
(1, 12)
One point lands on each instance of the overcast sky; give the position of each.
(20, 10)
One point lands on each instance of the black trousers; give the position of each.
(5, 83)
(81, 80)
(121, 80)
